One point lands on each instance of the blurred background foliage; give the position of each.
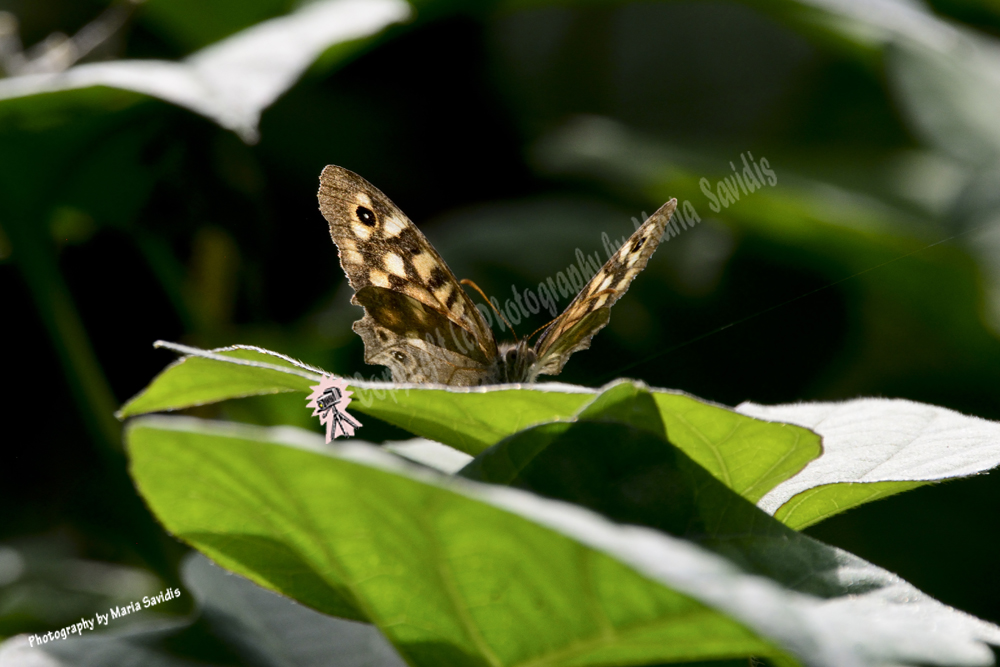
(514, 134)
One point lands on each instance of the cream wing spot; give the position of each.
(378, 278)
(442, 293)
(392, 227)
(416, 292)
(353, 257)
(361, 231)
(393, 263)
(424, 264)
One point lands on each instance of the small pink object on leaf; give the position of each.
(329, 401)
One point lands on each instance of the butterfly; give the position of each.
(418, 320)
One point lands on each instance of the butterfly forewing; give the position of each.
(590, 310)
(386, 257)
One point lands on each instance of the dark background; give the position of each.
(512, 135)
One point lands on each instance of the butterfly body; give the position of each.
(418, 320)
(516, 362)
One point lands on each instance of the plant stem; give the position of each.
(36, 259)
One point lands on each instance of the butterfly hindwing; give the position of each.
(416, 342)
(386, 258)
(590, 311)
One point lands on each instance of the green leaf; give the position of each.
(233, 81)
(199, 380)
(459, 573)
(822, 502)
(448, 578)
(747, 455)
(614, 459)
(629, 403)
(873, 448)
(469, 420)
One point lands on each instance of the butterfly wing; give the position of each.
(418, 321)
(589, 312)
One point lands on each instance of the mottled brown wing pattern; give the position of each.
(385, 257)
(589, 312)
(417, 343)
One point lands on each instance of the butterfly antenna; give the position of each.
(466, 281)
(540, 328)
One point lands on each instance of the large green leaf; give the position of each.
(448, 578)
(455, 572)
